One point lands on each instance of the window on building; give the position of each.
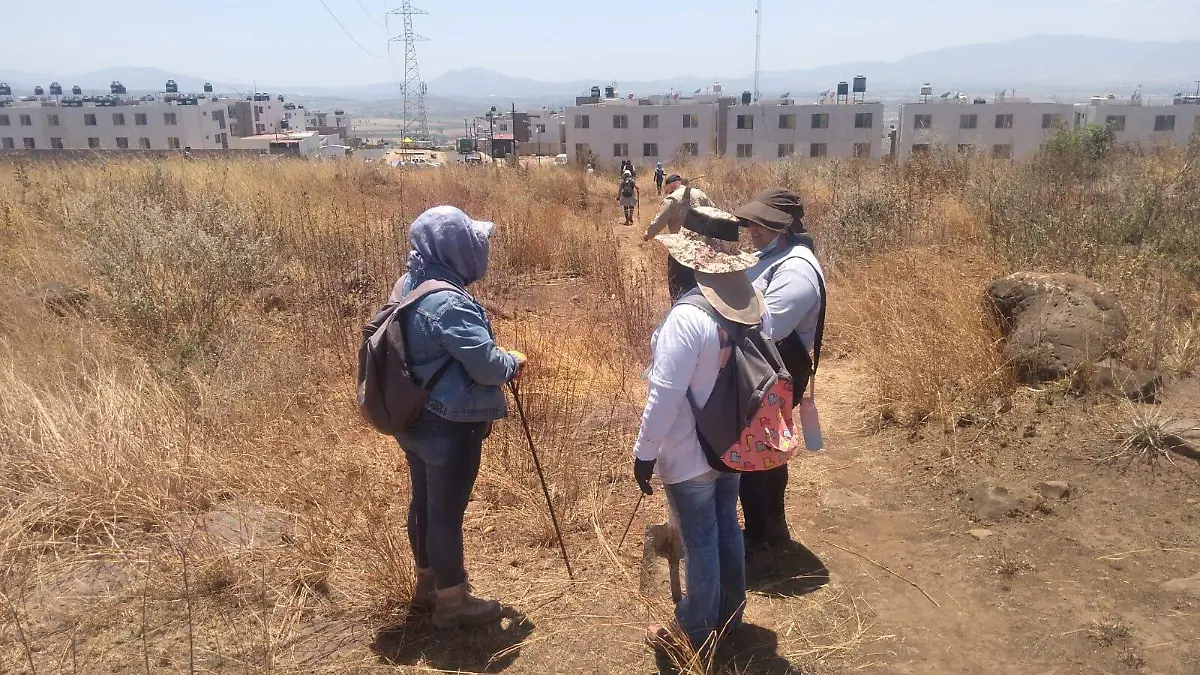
(818, 150)
(921, 148)
(787, 149)
(649, 121)
(862, 150)
(4, 122)
(56, 143)
(52, 120)
(503, 127)
(820, 121)
(620, 149)
(144, 143)
(232, 110)
(1115, 122)
(582, 151)
(620, 121)
(139, 119)
(169, 119)
(583, 122)
(94, 143)
(1052, 121)
(691, 121)
(1164, 123)
(89, 120)
(968, 122)
(864, 120)
(745, 150)
(541, 128)
(260, 128)
(1004, 121)
(30, 144)
(745, 121)
(118, 119)
(219, 117)
(173, 143)
(1002, 151)
(26, 120)
(122, 142)
(689, 149)
(6, 143)
(787, 122)
(649, 149)
(966, 148)
(922, 122)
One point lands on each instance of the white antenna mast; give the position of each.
(757, 49)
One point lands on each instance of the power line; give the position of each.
(340, 25)
(369, 14)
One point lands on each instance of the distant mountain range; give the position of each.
(1042, 63)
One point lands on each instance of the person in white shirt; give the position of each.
(689, 349)
(790, 278)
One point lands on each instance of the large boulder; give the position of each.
(1054, 324)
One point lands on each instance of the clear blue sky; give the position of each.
(296, 42)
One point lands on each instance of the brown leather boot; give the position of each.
(457, 607)
(424, 596)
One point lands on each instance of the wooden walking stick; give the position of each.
(542, 477)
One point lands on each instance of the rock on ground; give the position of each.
(992, 500)
(1053, 489)
(1183, 437)
(1053, 324)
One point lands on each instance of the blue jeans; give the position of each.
(443, 462)
(716, 559)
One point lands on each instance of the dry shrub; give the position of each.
(916, 323)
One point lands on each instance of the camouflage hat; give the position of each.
(708, 243)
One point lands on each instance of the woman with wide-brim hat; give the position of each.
(689, 349)
(788, 275)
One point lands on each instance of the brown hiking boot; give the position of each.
(456, 607)
(424, 596)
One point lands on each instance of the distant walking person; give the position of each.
(680, 198)
(658, 177)
(791, 281)
(454, 356)
(628, 195)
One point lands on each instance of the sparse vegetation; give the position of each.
(184, 429)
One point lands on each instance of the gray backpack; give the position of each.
(389, 397)
(746, 424)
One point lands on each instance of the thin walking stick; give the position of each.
(542, 477)
(638, 505)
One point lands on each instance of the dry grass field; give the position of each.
(185, 484)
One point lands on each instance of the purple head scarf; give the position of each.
(446, 237)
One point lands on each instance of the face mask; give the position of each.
(770, 248)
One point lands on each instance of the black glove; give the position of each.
(643, 470)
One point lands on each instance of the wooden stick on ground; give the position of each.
(885, 568)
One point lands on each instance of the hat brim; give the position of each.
(767, 216)
(733, 296)
(695, 253)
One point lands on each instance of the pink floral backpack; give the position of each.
(746, 424)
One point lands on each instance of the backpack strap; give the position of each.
(820, 336)
(413, 297)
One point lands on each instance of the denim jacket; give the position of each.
(451, 326)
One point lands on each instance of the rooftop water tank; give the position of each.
(116, 88)
(610, 92)
(860, 84)
(5, 90)
(747, 97)
(38, 91)
(77, 90)
(595, 92)
(843, 89)
(927, 90)
(172, 88)
(55, 89)
(208, 88)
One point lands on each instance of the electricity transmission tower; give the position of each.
(415, 124)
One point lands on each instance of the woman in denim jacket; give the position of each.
(448, 332)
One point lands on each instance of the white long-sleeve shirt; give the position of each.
(687, 354)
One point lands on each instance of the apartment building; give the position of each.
(781, 129)
(200, 124)
(547, 134)
(1006, 128)
(645, 131)
(337, 123)
(1136, 123)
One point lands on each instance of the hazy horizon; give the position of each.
(289, 44)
